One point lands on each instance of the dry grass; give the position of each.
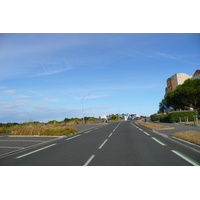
(190, 136)
(41, 130)
(154, 126)
(95, 122)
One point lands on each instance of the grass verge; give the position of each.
(190, 136)
(154, 126)
(40, 130)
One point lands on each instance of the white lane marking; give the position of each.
(88, 131)
(158, 141)
(110, 134)
(73, 137)
(89, 160)
(23, 140)
(146, 133)
(12, 147)
(103, 143)
(96, 128)
(35, 151)
(185, 158)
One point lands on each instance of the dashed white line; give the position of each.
(185, 158)
(110, 134)
(89, 160)
(158, 141)
(73, 137)
(146, 133)
(88, 131)
(103, 143)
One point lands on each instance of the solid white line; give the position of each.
(103, 144)
(12, 147)
(188, 160)
(35, 151)
(158, 141)
(89, 160)
(73, 137)
(24, 140)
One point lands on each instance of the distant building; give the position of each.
(178, 79)
(175, 80)
(196, 74)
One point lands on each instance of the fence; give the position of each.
(189, 120)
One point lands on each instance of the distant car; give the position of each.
(137, 118)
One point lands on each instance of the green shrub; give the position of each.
(174, 116)
(154, 117)
(59, 131)
(164, 118)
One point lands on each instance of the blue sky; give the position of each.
(45, 76)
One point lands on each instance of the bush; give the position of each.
(174, 116)
(114, 117)
(154, 117)
(164, 118)
(59, 131)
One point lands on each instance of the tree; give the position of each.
(114, 117)
(187, 94)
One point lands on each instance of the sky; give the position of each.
(44, 76)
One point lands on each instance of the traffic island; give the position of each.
(190, 136)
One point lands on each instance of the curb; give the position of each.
(186, 143)
(194, 146)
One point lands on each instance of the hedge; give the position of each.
(164, 118)
(174, 116)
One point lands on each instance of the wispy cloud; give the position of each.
(9, 92)
(13, 94)
(51, 70)
(96, 96)
(21, 96)
(175, 57)
(167, 56)
(99, 108)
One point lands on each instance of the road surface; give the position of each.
(115, 144)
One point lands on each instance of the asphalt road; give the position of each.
(115, 144)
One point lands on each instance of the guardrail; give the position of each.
(186, 120)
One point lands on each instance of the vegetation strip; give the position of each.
(188, 159)
(158, 141)
(35, 151)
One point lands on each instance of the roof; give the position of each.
(196, 73)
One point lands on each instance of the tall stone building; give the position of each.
(178, 79)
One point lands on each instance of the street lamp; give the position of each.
(83, 107)
(118, 111)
